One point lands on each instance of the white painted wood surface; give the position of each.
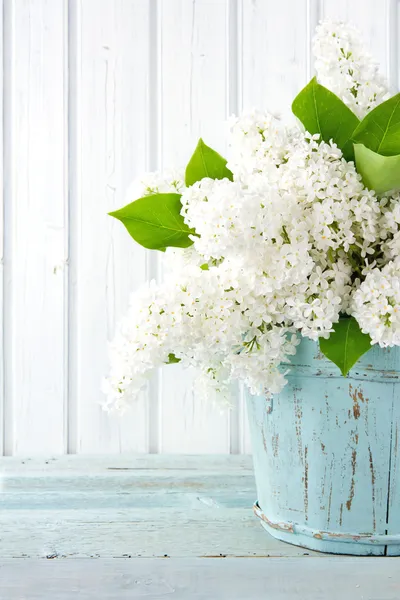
(132, 506)
(36, 227)
(109, 98)
(176, 526)
(201, 579)
(2, 136)
(94, 93)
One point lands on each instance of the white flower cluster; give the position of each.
(344, 66)
(273, 257)
(259, 143)
(281, 251)
(376, 305)
(201, 319)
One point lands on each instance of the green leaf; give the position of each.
(379, 173)
(323, 112)
(172, 359)
(155, 221)
(206, 162)
(346, 344)
(380, 129)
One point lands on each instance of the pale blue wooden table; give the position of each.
(158, 527)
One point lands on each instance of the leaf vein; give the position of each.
(388, 124)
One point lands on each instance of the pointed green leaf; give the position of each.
(380, 129)
(206, 162)
(323, 112)
(379, 173)
(155, 221)
(346, 344)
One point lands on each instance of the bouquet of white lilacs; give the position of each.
(298, 235)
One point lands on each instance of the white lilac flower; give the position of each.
(203, 310)
(389, 228)
(259, 142)
(281, 251)
(376, 305)
(278, 254)
(345, 67)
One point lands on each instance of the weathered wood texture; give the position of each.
(132, 506)
(176, 526)
(394, 483)
(325, 452)
(109, 147)
(2, 239)
(95, 92)
(36, 226)
(201, 579)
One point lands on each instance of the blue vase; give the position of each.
(326, 454)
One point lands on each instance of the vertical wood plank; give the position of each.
(111, 145)
(2, 387)
(194, 103)
(275, 53)
(193, 71)
(36, 227)
(234, 98)
(393, 29)
(153, 258)
(275, 66)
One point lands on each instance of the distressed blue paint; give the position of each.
(394, 504)
(325, 456)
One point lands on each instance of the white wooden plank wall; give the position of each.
(35, 229)
(94, 93)
(109, 95)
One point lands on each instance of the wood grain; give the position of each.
(37, 228)
(275, 54)
(393, 514)
(203, 546)
(137, 533)
(2, 242)
(107, 464)
(110, 150)
(323, 454)
(201, 579)
(142, 506)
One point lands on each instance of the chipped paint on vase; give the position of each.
(326, 454)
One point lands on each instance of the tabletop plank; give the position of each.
(137, 506)
(202, 579)
(220, 463)
(159, 526)
(145, 533)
